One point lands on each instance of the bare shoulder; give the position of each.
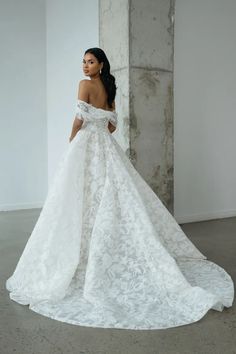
(83, 90)
(83, 84)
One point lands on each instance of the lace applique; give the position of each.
(87, 111)
(83, 105)
(81, 110)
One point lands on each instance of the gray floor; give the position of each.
(26, 332)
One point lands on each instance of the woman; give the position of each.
(105, 252)
(100, 90)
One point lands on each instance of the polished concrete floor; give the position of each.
(25, 332)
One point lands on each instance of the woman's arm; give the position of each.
(77, 124)
(112, 127)
(82, 95)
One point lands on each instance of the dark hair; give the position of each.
(107, 78)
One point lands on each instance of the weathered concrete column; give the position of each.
(138, 38)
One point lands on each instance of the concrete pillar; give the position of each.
(138, 38)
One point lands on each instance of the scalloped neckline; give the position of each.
(100, 109)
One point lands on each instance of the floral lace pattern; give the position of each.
(84, 110)
(105, 252)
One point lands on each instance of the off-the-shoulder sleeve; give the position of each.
(81, 110)
(113, 118)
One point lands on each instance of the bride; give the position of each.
(105, 251)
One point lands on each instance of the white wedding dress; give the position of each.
(105, 252)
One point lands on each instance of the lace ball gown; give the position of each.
(105, 252)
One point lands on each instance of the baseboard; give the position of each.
(183, 219)
(10, 207)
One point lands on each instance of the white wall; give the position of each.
(23, 134)
(72, 27)
(205, 104)
(42, 47)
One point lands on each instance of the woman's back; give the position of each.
(96, 93)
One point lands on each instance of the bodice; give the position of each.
(93, 117)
